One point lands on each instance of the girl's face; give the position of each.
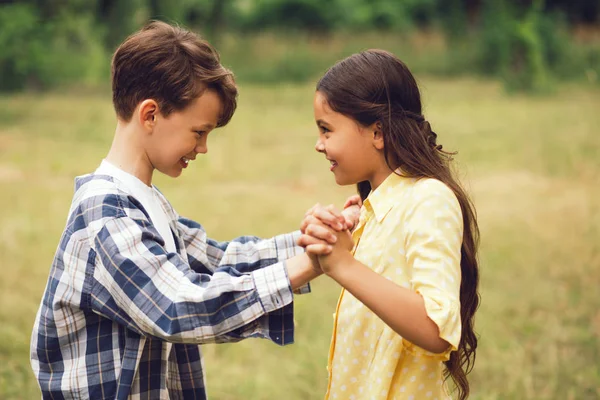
(355, 152)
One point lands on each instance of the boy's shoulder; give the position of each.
(97, 199)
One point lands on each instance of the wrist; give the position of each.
(300, 270)
(314, 262)
(339, 265)
(316, 270)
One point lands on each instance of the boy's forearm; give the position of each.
(300, 271)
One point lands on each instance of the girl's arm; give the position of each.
(401, 309)
(428, 313)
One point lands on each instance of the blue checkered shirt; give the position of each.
(121, 318)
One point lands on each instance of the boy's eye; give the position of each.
(200, 133)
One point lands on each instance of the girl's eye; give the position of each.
(324, 130)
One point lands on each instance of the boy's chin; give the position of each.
(171, 172)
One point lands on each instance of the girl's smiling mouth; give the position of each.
(333, 164)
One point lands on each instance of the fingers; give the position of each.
(310, 210)
(321, 232)
(308, 240)
(350, 223)
(307, 221)
(311, 226)
(353, 200)
(314, 246)
(319, 249)
(329, 216)
(351, 215)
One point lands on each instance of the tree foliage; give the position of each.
(44, 43)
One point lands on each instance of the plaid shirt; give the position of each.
(122, 319)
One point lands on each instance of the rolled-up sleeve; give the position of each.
(433, 233)
(245, 254)
(138, 284)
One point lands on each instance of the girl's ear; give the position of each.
(377, 130)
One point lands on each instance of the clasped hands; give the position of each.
(326, 234)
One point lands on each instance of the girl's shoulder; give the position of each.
(433, 192)
(403, 193)
(432, 204)
(430, 187)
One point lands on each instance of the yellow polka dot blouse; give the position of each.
(410, 231)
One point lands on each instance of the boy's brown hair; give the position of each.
(172, 66)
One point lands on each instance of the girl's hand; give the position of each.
(340, 254)
(352, 216)
(319, 238)
(353, 200)
(352, 211)
(328, 215)
(329, 256)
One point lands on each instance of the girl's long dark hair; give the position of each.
(375, 86)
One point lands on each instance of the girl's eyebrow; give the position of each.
(321, 122)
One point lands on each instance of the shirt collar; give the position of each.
(380, 200)
(134, 185)
(130, 181)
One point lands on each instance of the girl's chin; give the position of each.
(342, 181)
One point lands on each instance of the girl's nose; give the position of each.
(319, 146)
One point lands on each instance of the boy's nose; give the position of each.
(202, 149)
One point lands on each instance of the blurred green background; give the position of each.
(512, 86)
(528, 44)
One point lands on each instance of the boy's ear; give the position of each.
(377, 131)
(147, 113)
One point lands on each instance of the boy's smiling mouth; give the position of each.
(184, 162)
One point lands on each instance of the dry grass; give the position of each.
(532, 165)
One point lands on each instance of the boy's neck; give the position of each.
(128, 153)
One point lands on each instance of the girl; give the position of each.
(409, 273)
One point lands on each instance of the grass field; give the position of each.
(531, 164)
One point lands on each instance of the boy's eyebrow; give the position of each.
(208, 127)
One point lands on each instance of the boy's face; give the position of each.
(177, 139)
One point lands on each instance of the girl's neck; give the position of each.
(379, 176)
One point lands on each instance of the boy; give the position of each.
(134, 287)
